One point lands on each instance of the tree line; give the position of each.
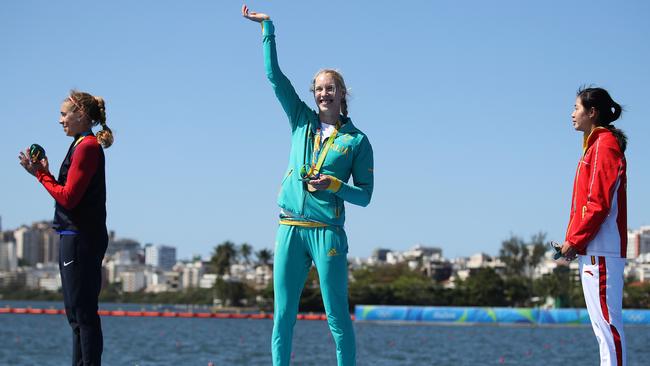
(511, 285)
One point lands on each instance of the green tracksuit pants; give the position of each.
(295, 249)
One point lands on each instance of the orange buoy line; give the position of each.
(163, 314)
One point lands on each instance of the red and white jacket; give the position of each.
(598, 220)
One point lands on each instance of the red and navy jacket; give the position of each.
(598, 220)
(80, 190)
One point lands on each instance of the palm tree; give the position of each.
(245, 251)
(264, 256)
(223, 256)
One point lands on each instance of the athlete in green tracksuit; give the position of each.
(326, 149)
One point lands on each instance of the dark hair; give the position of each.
(607, 110)
(93, 108)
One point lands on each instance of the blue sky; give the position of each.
(467, 105)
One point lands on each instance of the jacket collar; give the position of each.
(593, 136)
(346, 127)
(80, 136)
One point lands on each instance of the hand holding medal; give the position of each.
(310, 176)
(320, 184)
(314, 180)
(557, 247)
(311, 173)
(36, 153)
(34, 159)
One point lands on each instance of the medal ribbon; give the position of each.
(81, 137)
(316, 165)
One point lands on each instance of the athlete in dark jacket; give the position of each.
(80, 218)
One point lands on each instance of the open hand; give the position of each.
(33, 167)
(321, 183)
(251, 15)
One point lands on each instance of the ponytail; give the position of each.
(105, 136)
(621, 138)
(614, 112)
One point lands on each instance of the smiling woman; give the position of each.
(330, 93)
(80, 217)
(326, 150)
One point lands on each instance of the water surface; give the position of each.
(46, 340)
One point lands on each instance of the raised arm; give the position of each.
(284, 91)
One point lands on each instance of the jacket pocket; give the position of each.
(284, 180)
(337, 207)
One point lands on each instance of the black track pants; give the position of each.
(80, 263)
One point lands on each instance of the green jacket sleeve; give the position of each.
(363, 176)
(284, 91)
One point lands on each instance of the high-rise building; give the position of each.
(133, 281)
(8, 258)
(644, 240)
(27, 245)
(49, 243)
(191, 273)
(632, 244)
(638, 242)
(37, 243)
(160, 256)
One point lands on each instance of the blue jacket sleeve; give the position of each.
(284, 91)
(362, 175)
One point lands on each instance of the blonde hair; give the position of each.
(340, 83)
(94, 108)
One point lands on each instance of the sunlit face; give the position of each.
(583, 119)
(327, 94)
(73, 122)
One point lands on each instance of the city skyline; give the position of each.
(149, 268)
(636, 245)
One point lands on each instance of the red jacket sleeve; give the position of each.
(605, 169)
(84, 162)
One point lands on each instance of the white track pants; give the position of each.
(602, 285)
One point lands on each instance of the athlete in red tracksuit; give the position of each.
(597, 229)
